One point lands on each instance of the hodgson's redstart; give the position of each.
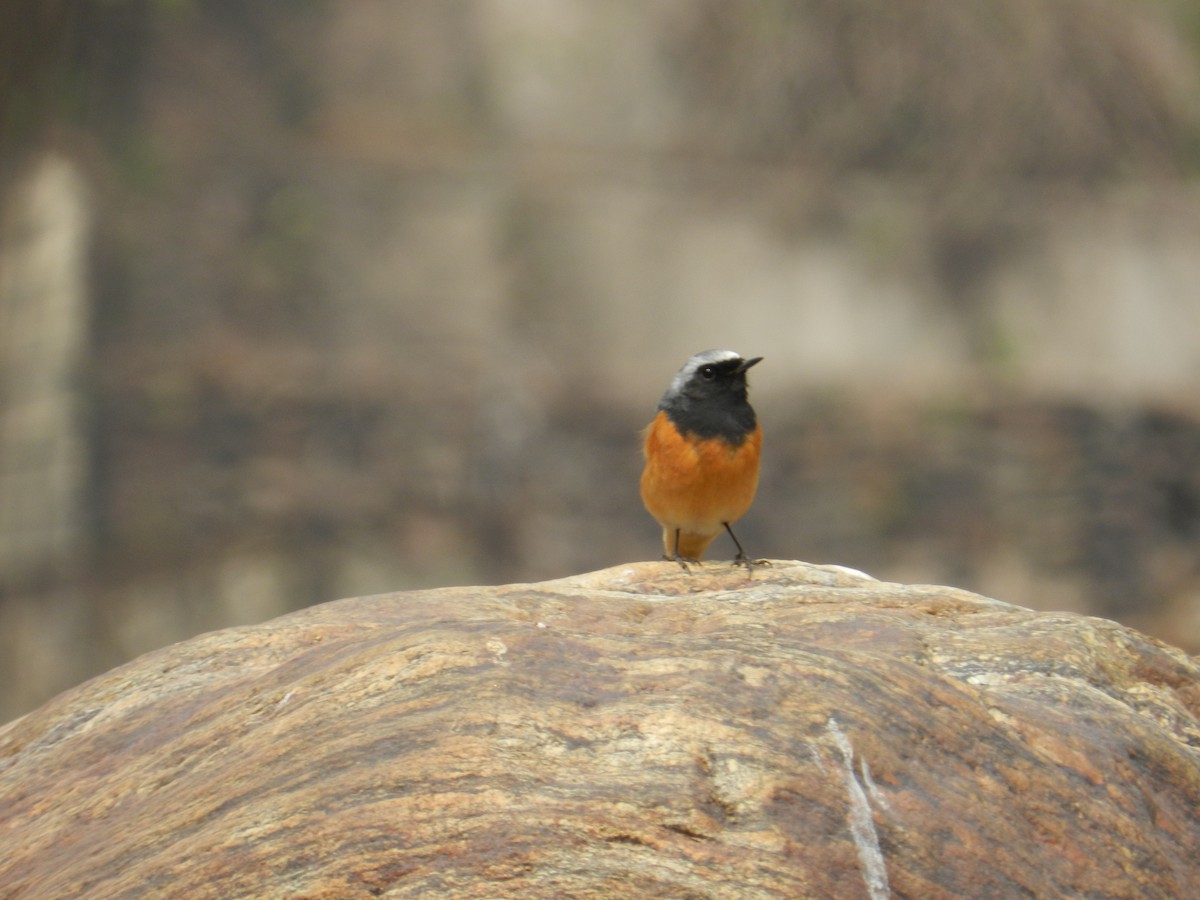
(702, 453)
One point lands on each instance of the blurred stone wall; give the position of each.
(45, 537)
(44, 303)
(354, 297)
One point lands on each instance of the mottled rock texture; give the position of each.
(635, 732)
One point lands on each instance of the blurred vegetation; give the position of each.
(34, 42)
(1076, 90)
(1082, 90)
(958, 101)
(68, 61)
(77, 64)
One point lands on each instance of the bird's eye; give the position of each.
(708, 373)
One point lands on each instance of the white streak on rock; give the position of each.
(862, 825)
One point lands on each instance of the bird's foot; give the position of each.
(743, 560)
(682, 560)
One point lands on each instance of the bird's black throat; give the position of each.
(729, 417)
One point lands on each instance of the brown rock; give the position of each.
(638, 731)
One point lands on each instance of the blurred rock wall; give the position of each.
(378, 295)
(44, 291)
(45, 535)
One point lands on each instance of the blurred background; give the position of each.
(308, 300)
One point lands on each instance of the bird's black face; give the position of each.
(725, 378)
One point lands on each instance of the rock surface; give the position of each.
(638, 731)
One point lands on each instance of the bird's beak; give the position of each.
(747, 363)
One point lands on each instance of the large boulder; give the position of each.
(640, 731)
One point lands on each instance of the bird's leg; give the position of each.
(742, 559)
(674, 554)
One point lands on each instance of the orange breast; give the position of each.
(696, 484)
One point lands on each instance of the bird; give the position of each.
(702, 455)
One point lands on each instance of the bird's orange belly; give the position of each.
(696, 485)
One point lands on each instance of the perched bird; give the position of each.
(702, 452)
